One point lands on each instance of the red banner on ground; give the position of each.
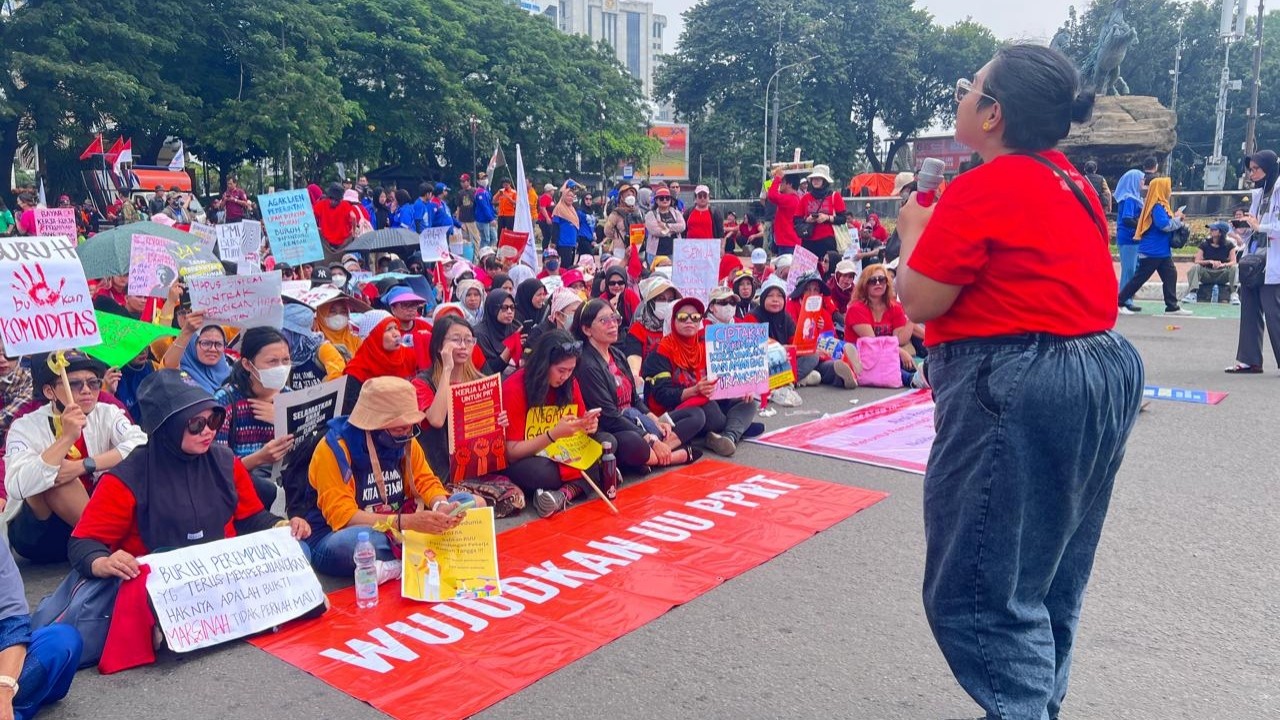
(896, 432)
(570, 585)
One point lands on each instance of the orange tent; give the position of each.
(877, 184)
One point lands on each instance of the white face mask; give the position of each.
(722, 313)
(662, 310)
(337, 322)
(338, 280)
(484, 183)
(273, 378)
(629, 201)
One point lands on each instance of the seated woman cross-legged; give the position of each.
(876, 312)
(55, 454)
(607, 383)
(368, 473)
(544, 405)
(675, 376)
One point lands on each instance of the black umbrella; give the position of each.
(384, 239)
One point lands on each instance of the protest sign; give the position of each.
(434, 243)
(636, 234)
(300, 412)
(458, 564)
(802, 261)
(152, 268)
(250, 248)
(44, 297)
(736, 359)
(195, 260)
(291, 227)
(294, 288)
(896, 432)
(476, 441)
(208, 594)
(242, 301)
(128, 338)
(230, 238)
(511, 243)
(56, 222)
(578, 451)
(782, 364)
(696, 267)
(207, 234)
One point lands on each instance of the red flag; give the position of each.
(115, 151)
(95, 148)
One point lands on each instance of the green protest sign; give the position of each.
(123, 338)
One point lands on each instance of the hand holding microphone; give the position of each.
(928, 180)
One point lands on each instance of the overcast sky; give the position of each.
(1008, 19)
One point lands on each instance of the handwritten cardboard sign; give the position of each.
(250, 248)
(195, 260)
(56, 222)
(230, 237)
(208, 594)
(802, 261)
(152, 266)
(458, 564)
(696, 266)
(208, 235)
(291, 227)
(476, 440)
(434, 243)
(736, 359)
(44, 296)
(243, 301)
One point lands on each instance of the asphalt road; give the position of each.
(1180, 620)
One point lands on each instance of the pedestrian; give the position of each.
(1128, 200)
(1033, 406)
(1156, 226)
(663, 224)
(1260, 290)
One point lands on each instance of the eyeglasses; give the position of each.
(506, 307)
(199, 424)
(78, 386)
(688, 317)
(210, 345)
(617, 283)
(664, 199)
(468, 341)
(964, 86)
(878, 280)
(607, 320)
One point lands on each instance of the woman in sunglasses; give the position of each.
(675, 377)
(546, 412)
(452, 349)
(615, 289)
(498, 334)
(1036, 394)
(876, 312)
(55, 454)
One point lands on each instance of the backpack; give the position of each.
(85, 604)
(299, 495)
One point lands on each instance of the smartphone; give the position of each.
(465, 502)
(592, 413)
(526, 326)
(1241, 224)
(1182, 208)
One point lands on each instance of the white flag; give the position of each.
(44, 202)
(524, 216)
(179, 161)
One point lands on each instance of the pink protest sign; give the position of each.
(56, 222)
(243, 301)
(44, 297)
(152, 267)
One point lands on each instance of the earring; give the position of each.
(986, 125)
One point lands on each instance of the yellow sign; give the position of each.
(460, 564)
(577, 451)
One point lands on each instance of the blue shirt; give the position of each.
(1127, 210)
(404, 218)
(1154, 242)
(566, 233)
(484, 206)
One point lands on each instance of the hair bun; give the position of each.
(1082, 107)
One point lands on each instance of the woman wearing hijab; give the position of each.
(1129, 204)
(249, 399)
(814, 368)
(470, 293)
(498, 333)
(743, 283)
(382, 354)
(370, 477)
(132, 374)
(624, 300)
(648, 327)
(624, 216)
(1156, 225)
(675, 377)
(531, 302)
(561, 305)
(1260, 303)
(565, 219)
(314, 359)
(333, 320)
(200, 351)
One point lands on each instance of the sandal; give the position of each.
(1242, 369)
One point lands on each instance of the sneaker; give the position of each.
(785, 397)
(1235, 298)
(550, 502)
(845, 373)
(1124, 310)
(755, 429)
(813, 378)
(720, 444)
(1177, 311)
(1133, 307)
(918, 380)
(1190, 298)
(387, 570)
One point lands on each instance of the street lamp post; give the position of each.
(474, 122)
(764, 162)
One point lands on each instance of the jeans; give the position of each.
(52, 659)
(334, 554)
(1031, 431)
(730, 418)
(488, 234)
(1128, 262)
(1168, 280)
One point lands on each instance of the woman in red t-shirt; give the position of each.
(336, 217)
(876, 312)
(823, 207)
(1035, 394)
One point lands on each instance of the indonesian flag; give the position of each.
(179, 161)
(498, 159)
(114, 152)
(95, 148)
(126, 155)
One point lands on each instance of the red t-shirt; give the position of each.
(1027, 256)
(859, 313)
(234, 210)
(829, 205)
(526, 423)
(788, 206)
(544, 207)
(336, 222)
(699, 224)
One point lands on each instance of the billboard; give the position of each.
(672, 161)
(945, 148)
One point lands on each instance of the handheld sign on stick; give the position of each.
(928, 180)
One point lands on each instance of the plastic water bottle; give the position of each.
(608, 468)
(1215, 293)
(366, 572)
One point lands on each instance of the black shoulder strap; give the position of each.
(1075, 190)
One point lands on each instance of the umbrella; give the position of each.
(384, 239)
(107, 253)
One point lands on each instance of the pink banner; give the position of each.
(896, 432)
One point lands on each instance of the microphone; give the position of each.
(928, 180)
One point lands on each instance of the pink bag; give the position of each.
(881, 366)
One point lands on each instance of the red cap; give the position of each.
(662, 192)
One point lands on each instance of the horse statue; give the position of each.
(1100, 71)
